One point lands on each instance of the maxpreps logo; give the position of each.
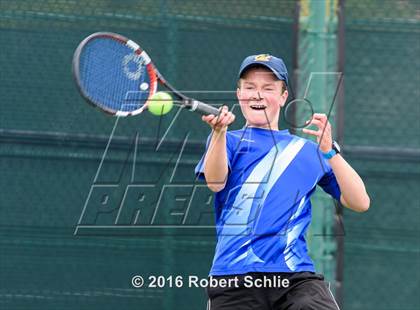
(145, 186)
(262, 57)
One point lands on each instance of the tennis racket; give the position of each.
(114, 74)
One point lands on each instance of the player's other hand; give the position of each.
(324, 132)
(220, 122)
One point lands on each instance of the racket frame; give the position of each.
(154, 74)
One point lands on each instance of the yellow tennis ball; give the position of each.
(160, 103)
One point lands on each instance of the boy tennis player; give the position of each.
(263, 178)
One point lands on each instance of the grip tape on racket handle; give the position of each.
(203, 108)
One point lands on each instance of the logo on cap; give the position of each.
(262, 57)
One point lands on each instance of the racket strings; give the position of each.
(96, 82)
(111, 73)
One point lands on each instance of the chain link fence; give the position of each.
(382, 141)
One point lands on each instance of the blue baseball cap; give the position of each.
(276, 65)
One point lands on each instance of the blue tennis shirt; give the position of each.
(264, 210)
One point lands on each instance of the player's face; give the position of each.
(261, 97)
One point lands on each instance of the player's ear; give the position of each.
(284, 96)
(238, 92)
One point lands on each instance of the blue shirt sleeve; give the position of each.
(199, 169)
(329, 183)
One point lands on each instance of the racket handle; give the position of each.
(202, 108)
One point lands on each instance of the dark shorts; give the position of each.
(270, 291)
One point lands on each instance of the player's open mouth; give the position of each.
(258, 107)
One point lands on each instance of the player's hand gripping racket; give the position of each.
(116, 75)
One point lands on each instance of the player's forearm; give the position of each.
(352, 188)
(215, 162)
